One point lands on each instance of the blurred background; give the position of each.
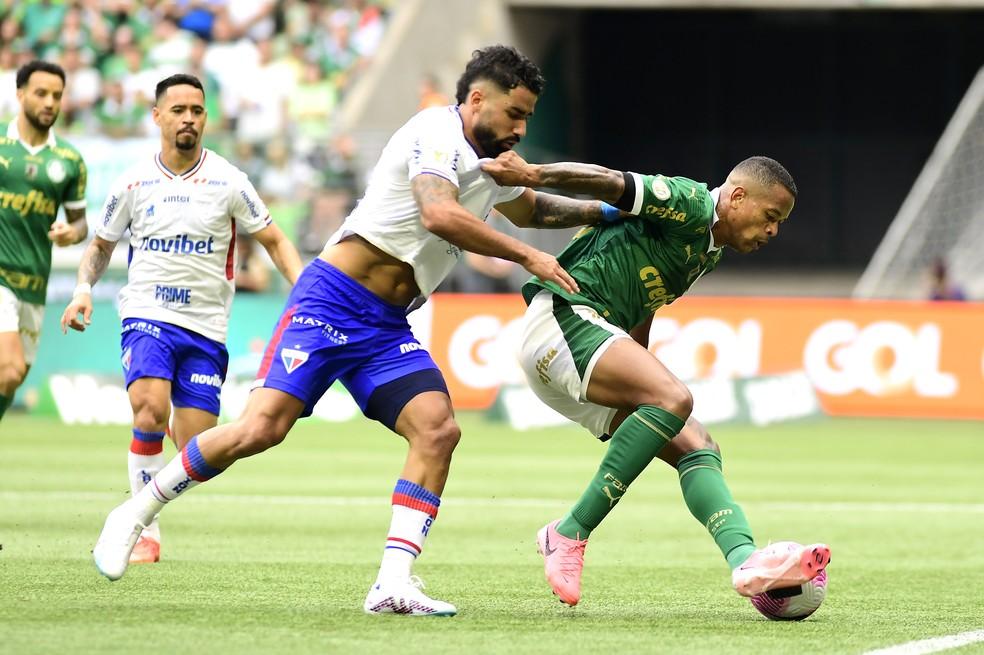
(875, 107)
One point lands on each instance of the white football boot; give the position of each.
(119, 534)
(407, 597)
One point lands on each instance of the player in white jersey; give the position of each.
(182, 207)
(346, 317)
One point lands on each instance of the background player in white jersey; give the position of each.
(182, 207)
(346, 317)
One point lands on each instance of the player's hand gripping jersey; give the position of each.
(182, 239)
(432, 142)
(629, 269)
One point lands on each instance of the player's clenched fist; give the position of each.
(509, 169)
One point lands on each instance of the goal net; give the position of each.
(941, 218)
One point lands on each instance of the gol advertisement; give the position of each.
(864, 358)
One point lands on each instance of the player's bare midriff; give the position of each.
(379, 272)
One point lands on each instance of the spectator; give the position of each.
(115, 116)
(430, 95)
(941, 286)
(263, 115)
(81, 86)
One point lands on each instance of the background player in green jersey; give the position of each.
(585, 353)
(38, 173)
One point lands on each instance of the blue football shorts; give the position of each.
(195, 365)
(333, 328)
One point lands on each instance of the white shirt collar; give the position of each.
(715, 193)
(14, 133)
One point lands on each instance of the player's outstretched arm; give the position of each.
(537, 209)
(281, 251)
(509, 169)
(443, 215)
(95, 261)
(72, 231)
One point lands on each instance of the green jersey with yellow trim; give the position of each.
(629, 269)
(33, 185)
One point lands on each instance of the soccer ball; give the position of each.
(792, 603)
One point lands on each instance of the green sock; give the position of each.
(634, 444)
(4, 403)
(709, 500)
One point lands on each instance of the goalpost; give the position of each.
(942, 217)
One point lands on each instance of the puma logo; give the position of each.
(611, 499)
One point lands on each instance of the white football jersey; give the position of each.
(432, 142)
(182, 226)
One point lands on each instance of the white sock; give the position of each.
(185, 471)
(405, 541)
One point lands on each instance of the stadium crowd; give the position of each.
(274, 73)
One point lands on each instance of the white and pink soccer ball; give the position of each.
(792, 603)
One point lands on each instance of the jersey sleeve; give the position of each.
(246, 206)
(74, 197)
(116, 213)
(673, 202)
(507, 193)
(433, 151)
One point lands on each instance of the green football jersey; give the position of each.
(629, 269)
(32, 187)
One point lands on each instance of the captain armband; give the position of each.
(626, 201)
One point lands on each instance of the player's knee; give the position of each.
(12, 374)
(150, 415)
(440, 440)
(257, 435)
(677, 400)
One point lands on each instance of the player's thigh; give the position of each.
(401, 387)
(558, 350)
(627, 375)
(200, 366)
(188, 422)
(146, 352)
(20, 334)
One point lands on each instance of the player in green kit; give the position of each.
(585, 354)
(38, 174)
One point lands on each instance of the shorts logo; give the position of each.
(292, 359)
(327, 330)
(213, 380)
(409, 347)
(127, 358)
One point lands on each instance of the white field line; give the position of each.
(934, 645)
(491, 502)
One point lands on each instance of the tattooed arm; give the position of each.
(95, 261)
(443, 215)
(509, 169)
(549, 211)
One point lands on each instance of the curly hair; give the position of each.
(24, 72)
(504, 65)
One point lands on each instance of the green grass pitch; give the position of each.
(276, 555)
